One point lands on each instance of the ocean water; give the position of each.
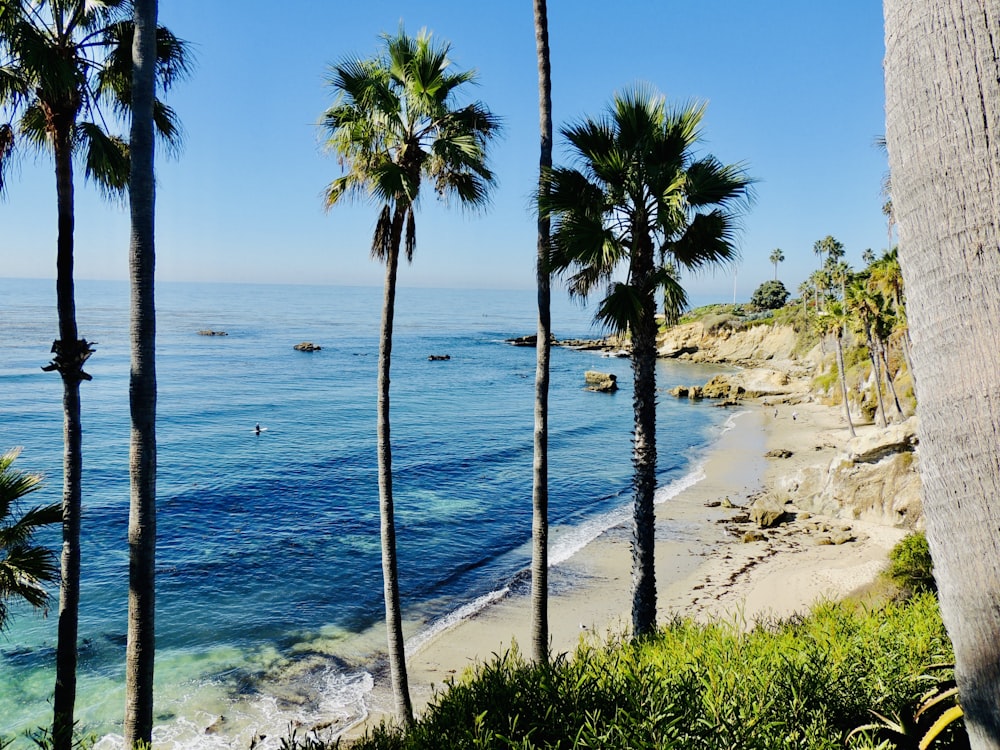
(269, 591)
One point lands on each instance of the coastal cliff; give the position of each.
(873, 477)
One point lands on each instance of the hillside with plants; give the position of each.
(844, 321)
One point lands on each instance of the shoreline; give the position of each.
(704, 569)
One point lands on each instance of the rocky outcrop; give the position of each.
(874, 479)
(767, 511)
(600, 382)
(752, 383)
(210, 332)
(605, 344)
(753, 344)
(307, 346)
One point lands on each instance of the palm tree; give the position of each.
(140, 647)
(396, 121)
(639, 186)
(840, 274)
(540, 469)
(25, 568)
(62, 64)
(865, 309)
(945, 160)
(776, 257)
(833, 323)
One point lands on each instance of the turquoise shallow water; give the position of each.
(269, 584)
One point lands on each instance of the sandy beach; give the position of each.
(704, 569)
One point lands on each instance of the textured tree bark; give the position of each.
(942, 75)
(540, 468)
(390, 565)
(644, 444)
(64, 697)
(141, 642)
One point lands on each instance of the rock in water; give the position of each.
(601, 382)
(307, 346)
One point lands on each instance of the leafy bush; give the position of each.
(801, 683)
(770, 295)
(910, 564)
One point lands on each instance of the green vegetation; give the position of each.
(770, 295)
(801, 683)
(910, 565)
(25, 568)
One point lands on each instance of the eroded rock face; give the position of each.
(754, 344)
(874, 479)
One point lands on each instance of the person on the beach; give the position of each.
(795, 415)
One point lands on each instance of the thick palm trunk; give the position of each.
(540, 468)
(843, 385)
(70, 354)
(644, 452)
(390, 566)
(942, 73)
(141, 645)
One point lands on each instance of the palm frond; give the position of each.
(709, 182)
(382, 239)
(410, 241)
(710, 239)
(14, 484)
(622, 308)
(106, 157)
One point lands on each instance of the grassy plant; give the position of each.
(910, 564)
(802, 683)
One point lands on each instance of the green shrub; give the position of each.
(771, 295)
(910, 564)
(801, 683)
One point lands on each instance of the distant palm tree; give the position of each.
(865, 308)
(886, 277)
(833, 323)
(639, 187)
(776, 257)
(25, 568)
(540, 470)
(65, 70)
(396, 121)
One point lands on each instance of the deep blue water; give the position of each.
(268, 544)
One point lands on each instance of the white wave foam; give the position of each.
(341, 704)
(454, 617)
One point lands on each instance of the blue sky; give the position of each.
(794, 90)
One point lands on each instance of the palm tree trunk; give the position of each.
(68, 361)
(540, 468)
(873, 356)
(644, 451)
(390, 565)
(942, 76)
(843, 384)
(883, 352)
(141, 645)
